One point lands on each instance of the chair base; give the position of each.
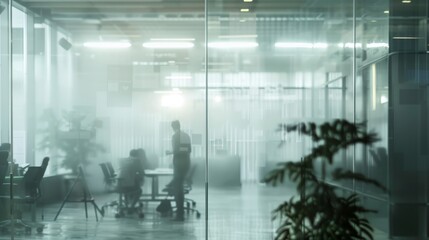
(18, 225)
(123, 206)
(123, 211)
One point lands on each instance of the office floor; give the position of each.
(236, 213)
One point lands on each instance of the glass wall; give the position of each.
(92, 81)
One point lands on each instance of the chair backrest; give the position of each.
(110, 169)
(108, 175)
(44, 165)
(33, 177)
(105, 171)
(190, 176)
(4, 165)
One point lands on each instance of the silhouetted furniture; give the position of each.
(87, 196)
(129, 184)
(31, 185)
(189, 204)
(4, 165)
(110, 181)
(154, 174)
(109, 174)
(32, 179)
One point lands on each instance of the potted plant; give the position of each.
(321, 211)
(70, 138)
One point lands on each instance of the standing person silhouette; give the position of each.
(181, 145)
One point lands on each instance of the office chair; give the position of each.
(32, 179)
(31, 182)
(129, 200)
(187, 188)
(129, 189)
(110, 181)
(4, 165)
(109, 175)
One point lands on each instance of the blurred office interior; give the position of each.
(102, 77)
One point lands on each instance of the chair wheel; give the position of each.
(198, 215)
(39, 229)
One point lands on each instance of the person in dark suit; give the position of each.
(181, 150)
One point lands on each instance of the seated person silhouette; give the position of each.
(130, 179)
(141, 155)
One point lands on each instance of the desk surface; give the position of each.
(159, 172)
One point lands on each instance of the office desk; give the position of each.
(155, 174)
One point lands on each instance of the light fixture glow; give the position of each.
(293, 45)
(383, 99)
(406, 38)
(168, 45)
(227, 45)
(377, 45)
(178, 77)
(172, 101)
(374, 86)
(406, 1)
(349, 45)
(110, 45)
(247, 0)
(244, 10)
(172, 39)
(239, 36)
(320, 45)
(303, 45)
(218, 99)
(387, 11)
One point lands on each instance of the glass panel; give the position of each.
(5, 56)
(372, 96)
(19, 64)
(93, 80)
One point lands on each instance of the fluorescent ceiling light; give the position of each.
(293, 45)
(227, 45)
(173, 91)
(239, 36)
(349, 45)
(247, 0)
(320, 45)
(406, 38)
(406, 1)
(168, 45)
(377, 45)
(172, 39)
(110, 45)
(244, 10)
(387, 11)
(301, 45)
(178, 77)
